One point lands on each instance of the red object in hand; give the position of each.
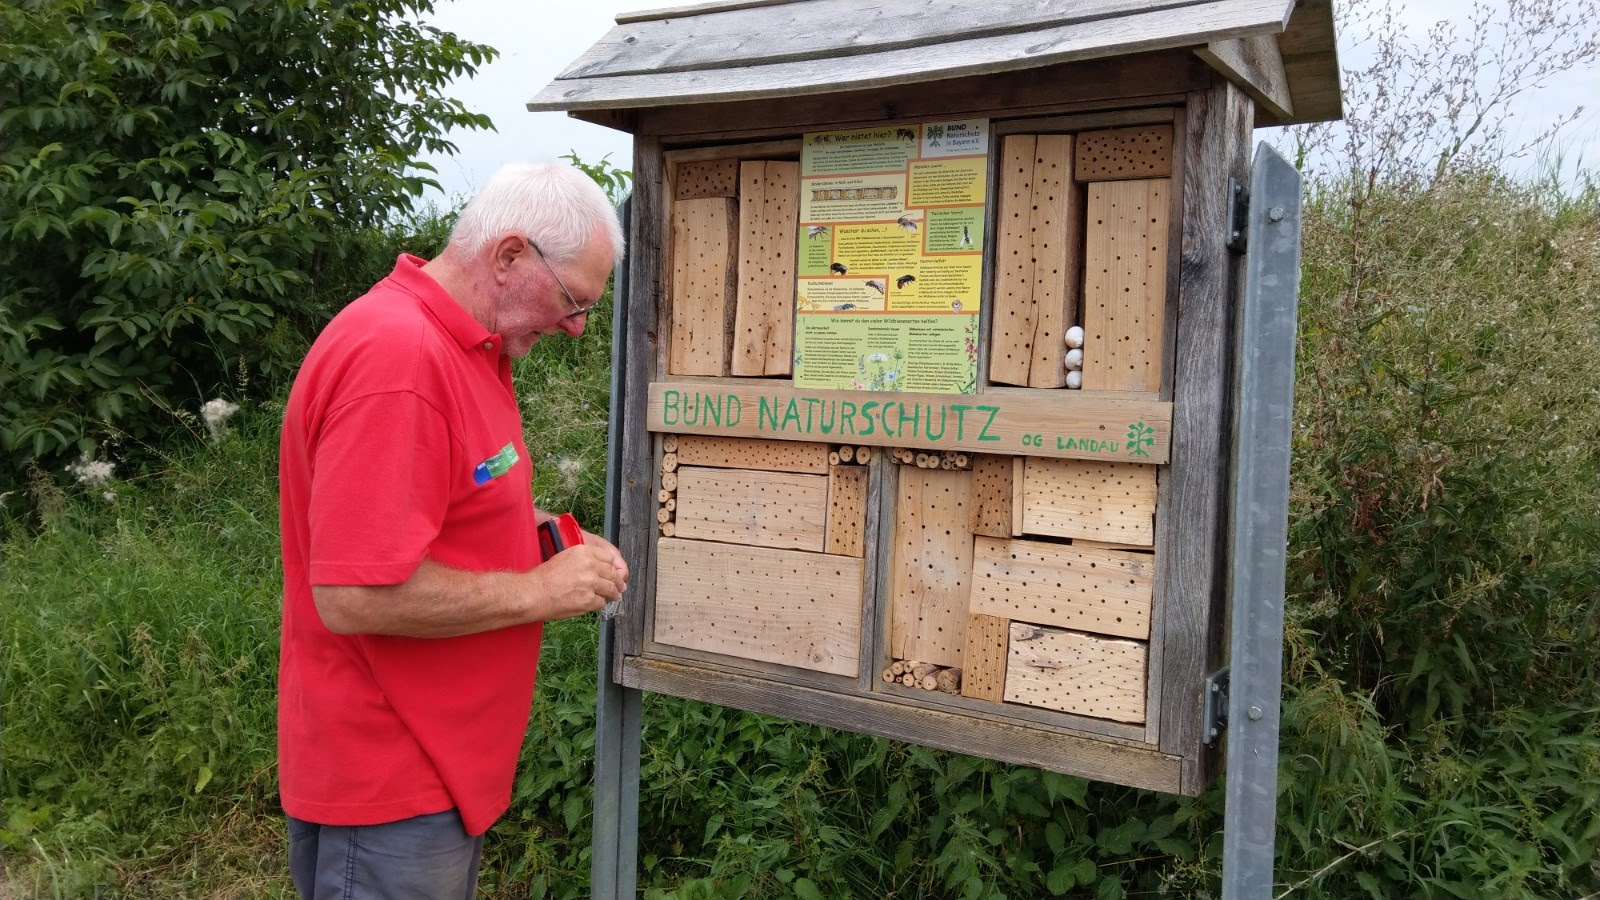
(557, 534)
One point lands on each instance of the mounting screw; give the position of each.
(1275, 214)
(1254, 713)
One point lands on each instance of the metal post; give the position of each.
(1260, 524)
(613, 862)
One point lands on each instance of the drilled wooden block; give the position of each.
(763, 339)
(1100, 591)
(1076, 673)
(706, 178)
(1015, 313)
(991, 495)
(1144, 151)
(777, 606)
(753, 453)
(1057, 235)
(1099, 501)
(847, 510)
(743, 506)
(931, 570)
(1125, 285)
(704, 242)
(983, 659)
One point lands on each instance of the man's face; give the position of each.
(533, 303)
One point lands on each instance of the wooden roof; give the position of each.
(1281, 51)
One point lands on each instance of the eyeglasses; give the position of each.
(577, 309)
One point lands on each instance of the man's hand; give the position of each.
(580, 579)
(621, 565)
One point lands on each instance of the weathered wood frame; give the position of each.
(1212, 121)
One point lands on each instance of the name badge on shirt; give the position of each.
(496, 465)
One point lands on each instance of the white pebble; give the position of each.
(1075, 336)
(1074, 380)
(1074, 359)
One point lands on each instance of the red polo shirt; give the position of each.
(402, 442)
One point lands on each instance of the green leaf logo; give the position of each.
(1141, 438)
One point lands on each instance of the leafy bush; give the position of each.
(175, 175)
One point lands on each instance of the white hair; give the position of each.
(558, 206)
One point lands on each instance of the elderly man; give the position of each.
(414, 600)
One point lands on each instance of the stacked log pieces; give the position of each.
(847, 455)
(924, 676)
(948, 460)
(667, 497)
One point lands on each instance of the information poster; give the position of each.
(891, 257)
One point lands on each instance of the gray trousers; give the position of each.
(422, 858)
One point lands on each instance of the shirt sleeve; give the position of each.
(380, 487)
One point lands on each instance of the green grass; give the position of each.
(1440, 722)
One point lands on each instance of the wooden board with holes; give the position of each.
(704, 242)
(1057, 237)
(1109, 502)
(1100, 591)
(1118, 154)
(763, 335)
(698, 179)
(983, 659)
(745, 506)
(991, 495)
(846, 533)
(745, 453)
(1125, 285)
(778, 606)
(931, 566)
(1015, 313)
(1076, 673)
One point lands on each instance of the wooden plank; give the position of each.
(1061, 424)
(1019, 465)
(991, 495)
(847, 510)
(1015, 313)
(1125, 285)
(1085, 544)
(663, 68)
(931, 568)
(1126, 733)
(704, 241)
(1057, 749)
(746, 506)
(1311, 63)
(1100, 591)
(763, 336)
(1255, 65)
(1057, 237)
(1071, 498)
(779, 606)
(1119, 154)
(747, 453)
(983, 658)
(701, 179)
(1077, 673)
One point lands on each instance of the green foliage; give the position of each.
(175, 175)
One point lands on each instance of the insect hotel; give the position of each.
(927, 351)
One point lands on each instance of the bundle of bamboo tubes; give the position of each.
(924, 675)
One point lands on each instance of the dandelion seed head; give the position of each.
(93, 472)
(216, 414)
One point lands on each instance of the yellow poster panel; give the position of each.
(948, 182)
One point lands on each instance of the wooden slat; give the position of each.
(931, 571)
(1019, 465)
(1057, 237)
(847, 510)
(1015, 313)
(763, 337)
(1062, 424)
(1076, 673)
(1056, 749)
(1125, 285)
(699, 179)
(704, 241)
(779, 606)
(752, 453)
(1086, 544)
(983, 660)
(991, 495)
(1254, 64)
(738, 56)
(1119, 154)
(1113, 502)
(1100, 591)
(744, 506)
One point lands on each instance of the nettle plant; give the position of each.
(175, 174)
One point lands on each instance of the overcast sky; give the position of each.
(537, 40)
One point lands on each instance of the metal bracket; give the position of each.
(1238, 216)
(1216, 713)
